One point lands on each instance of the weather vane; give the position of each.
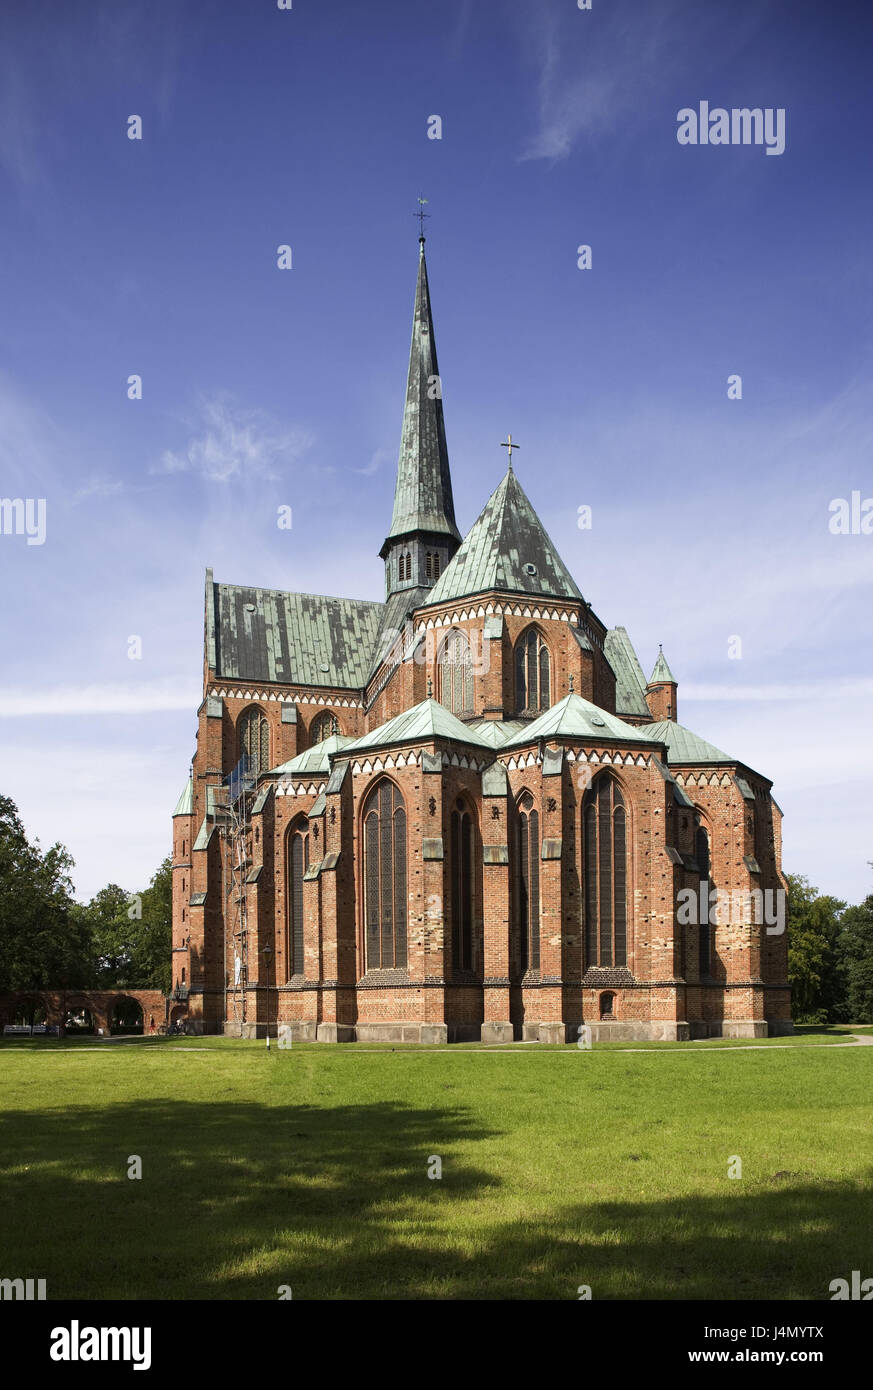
(421, 215)
(508, 444)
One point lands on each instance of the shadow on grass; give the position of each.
(239, 1198)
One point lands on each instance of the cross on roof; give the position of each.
(508, 444)
(421, 215)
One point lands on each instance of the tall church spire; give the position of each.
(423, 535)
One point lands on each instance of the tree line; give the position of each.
(118, 940)
(121, 940)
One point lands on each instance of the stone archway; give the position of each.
(127, 1016)
(78, 1019)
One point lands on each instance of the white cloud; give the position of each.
(147, 697)
(230, 442)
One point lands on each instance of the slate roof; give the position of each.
(426, 720)
(423, 493)
(683, 746)
(630, 683)
(185, 804)
(575, 717)
(314, 759)
(662, 671)
(292, 639)
(497, 731)
(506, 537)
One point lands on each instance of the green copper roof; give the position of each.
(294, 639)
(662, 671)
(314, 759)
(574, 717)
(427, 720)
(423, 494)
(506, 548)
(185, 804)
(682, 745)
(630, 683)
(496, 731)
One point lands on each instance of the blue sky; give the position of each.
(264, 387)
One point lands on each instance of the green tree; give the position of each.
(42, 942)
(855, 956)
(814, 973)
(105, 918)
(154, 938)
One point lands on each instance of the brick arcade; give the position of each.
(467, 813)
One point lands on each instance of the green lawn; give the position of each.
(308, 1168)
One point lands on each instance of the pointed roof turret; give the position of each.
(423, 494)
(662, 671)
(506, 548)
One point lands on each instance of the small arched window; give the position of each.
(607, 1002)
(456, 673)
(404, 565)
(701, 854)
(604, 839)
(532, 673)
(298, 863)
(527, 882)
(254, 741)
(323, 726)
(385, 878)
(461, 868)
(432, 565)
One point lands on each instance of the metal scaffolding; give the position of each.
(232, 806)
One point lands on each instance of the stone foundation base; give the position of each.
(654, 1030)
(744, 1028)
(335, 1033)
(497, 1033)
(780, 1027)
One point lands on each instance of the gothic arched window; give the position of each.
(297, 864)
(432, 565)
(532, 673)
(405, 565)
(604, 838)
(456, 673)
(527, 882)
(701, 854)
(254, 741)
(461, 868)
(384, 822)
(323, 726)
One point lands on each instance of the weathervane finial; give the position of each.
(507, 443)
(421, 215)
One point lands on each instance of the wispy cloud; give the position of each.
(148, 697)
(379, 459)
(230, 442)
(98, 487)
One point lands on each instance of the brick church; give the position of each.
(462, 813)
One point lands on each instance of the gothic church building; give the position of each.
(463, 813)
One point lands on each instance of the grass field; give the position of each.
(309, 1168)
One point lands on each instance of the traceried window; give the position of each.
(701, 854)
(254, 741)
(385, 890)
(432, 565)
(461, 867)
(298, 863)
(323, 726)
(527, 883)
(604, 838)
(456, 673)
(532, 673)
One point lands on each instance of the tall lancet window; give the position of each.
(462, 862)
(456, 673)
(701, 854)
(323, 726)
(526, 884)
(604, 839)
(384, 822)
(298, 863)
(532, 673)
(254, 741)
